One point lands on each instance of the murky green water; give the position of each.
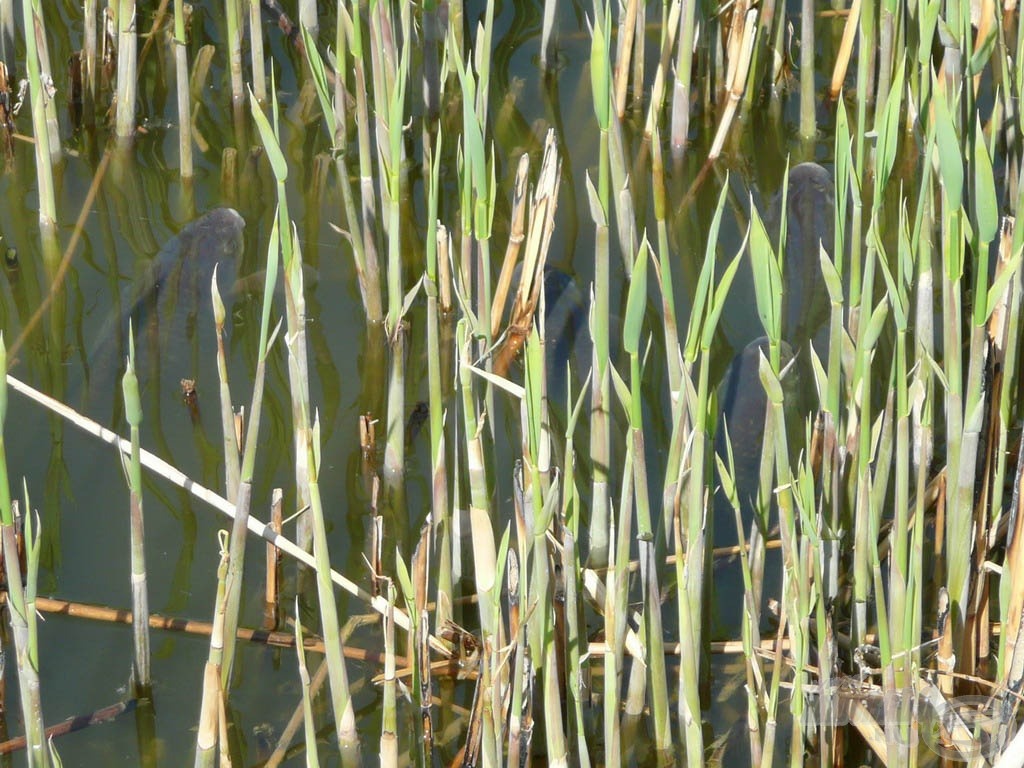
(77, 485)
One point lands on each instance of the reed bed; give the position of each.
(554, 594)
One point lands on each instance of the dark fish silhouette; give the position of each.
(742, 406)
(164, 302)
(810, 224)
(566, 331)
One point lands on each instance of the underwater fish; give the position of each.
(742, 406)
(810, 225)
(163, 303)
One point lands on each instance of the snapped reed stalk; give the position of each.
(209, 711)
(140, 593)
(272, 588)
(739, 67)
(127, 75)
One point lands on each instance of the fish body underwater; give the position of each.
(810, 228)
(168, 304)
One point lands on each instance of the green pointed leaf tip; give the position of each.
(770, 382)
(316, 68)
(278, 164)
(833, 282)
(721, 293)
(218, 304)
(888, 132)
(876, 324)
(315, 469)
(767, 277)
(948, 146)
(636, 303)
(995, 291)
(983, 52)
(695, 331)
(405, 581)
(895, 291)
(986, 206)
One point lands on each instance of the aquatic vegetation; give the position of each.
(689, 427)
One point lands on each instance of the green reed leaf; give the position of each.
(889, 133)
(984, 205)
(948, 146)
(694, 332)
(767, 276)
(636, 304)
(278, 164)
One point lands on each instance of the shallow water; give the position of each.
(78, 487)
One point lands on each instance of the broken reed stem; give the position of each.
(210, 705)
